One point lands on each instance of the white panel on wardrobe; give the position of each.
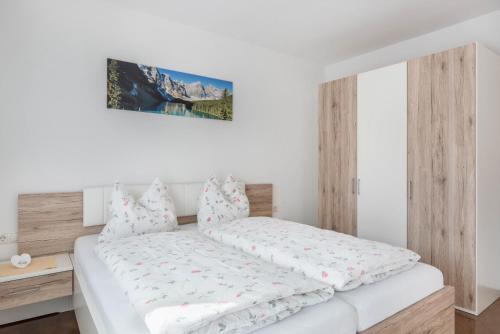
(382, 152)
(488, 177)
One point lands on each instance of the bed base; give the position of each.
(434, 314)
(87, 317)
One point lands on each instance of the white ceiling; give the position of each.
(326, 31)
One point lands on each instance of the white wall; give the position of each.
(57, 135)
(484, 29)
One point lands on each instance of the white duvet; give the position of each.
(183, 282)
(341, 260)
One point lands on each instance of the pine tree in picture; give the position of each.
(152, 89)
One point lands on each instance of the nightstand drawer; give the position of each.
(35, 289)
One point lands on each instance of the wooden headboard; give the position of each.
(50, 223)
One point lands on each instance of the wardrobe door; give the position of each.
(381, 155)
(337, 155)
(441, 166)
(420, 157)
(459, 217)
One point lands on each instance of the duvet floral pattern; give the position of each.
(341, 260)
(184, 282)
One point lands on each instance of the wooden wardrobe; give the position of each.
(445, 114)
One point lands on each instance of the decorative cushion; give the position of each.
(222, 203)
(153, 212)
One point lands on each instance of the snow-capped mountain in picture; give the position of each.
(170, 87)
(153, 89)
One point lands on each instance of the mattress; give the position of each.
(118, 316)
(378, 301)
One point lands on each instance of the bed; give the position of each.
(96, 290)
(347, 312)
(414, 301)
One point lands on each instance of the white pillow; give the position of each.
(153, 212)
(219, 204)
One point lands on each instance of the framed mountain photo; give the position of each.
(152, 89)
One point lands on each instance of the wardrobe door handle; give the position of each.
(410, 190)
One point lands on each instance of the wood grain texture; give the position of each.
(419, 162)
(337, 155)
(50, 223)
(463, 212)
(442, 166)
(441, 178)
(260, 197)
(36, 265)
(35, 289)
(434, 314)
(52, 246)
(187, 220)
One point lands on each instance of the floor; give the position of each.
(60, 323)
(487, 323)
(65, 323)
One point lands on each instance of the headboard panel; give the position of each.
(50, 223)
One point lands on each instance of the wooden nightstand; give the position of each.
(37, 286)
